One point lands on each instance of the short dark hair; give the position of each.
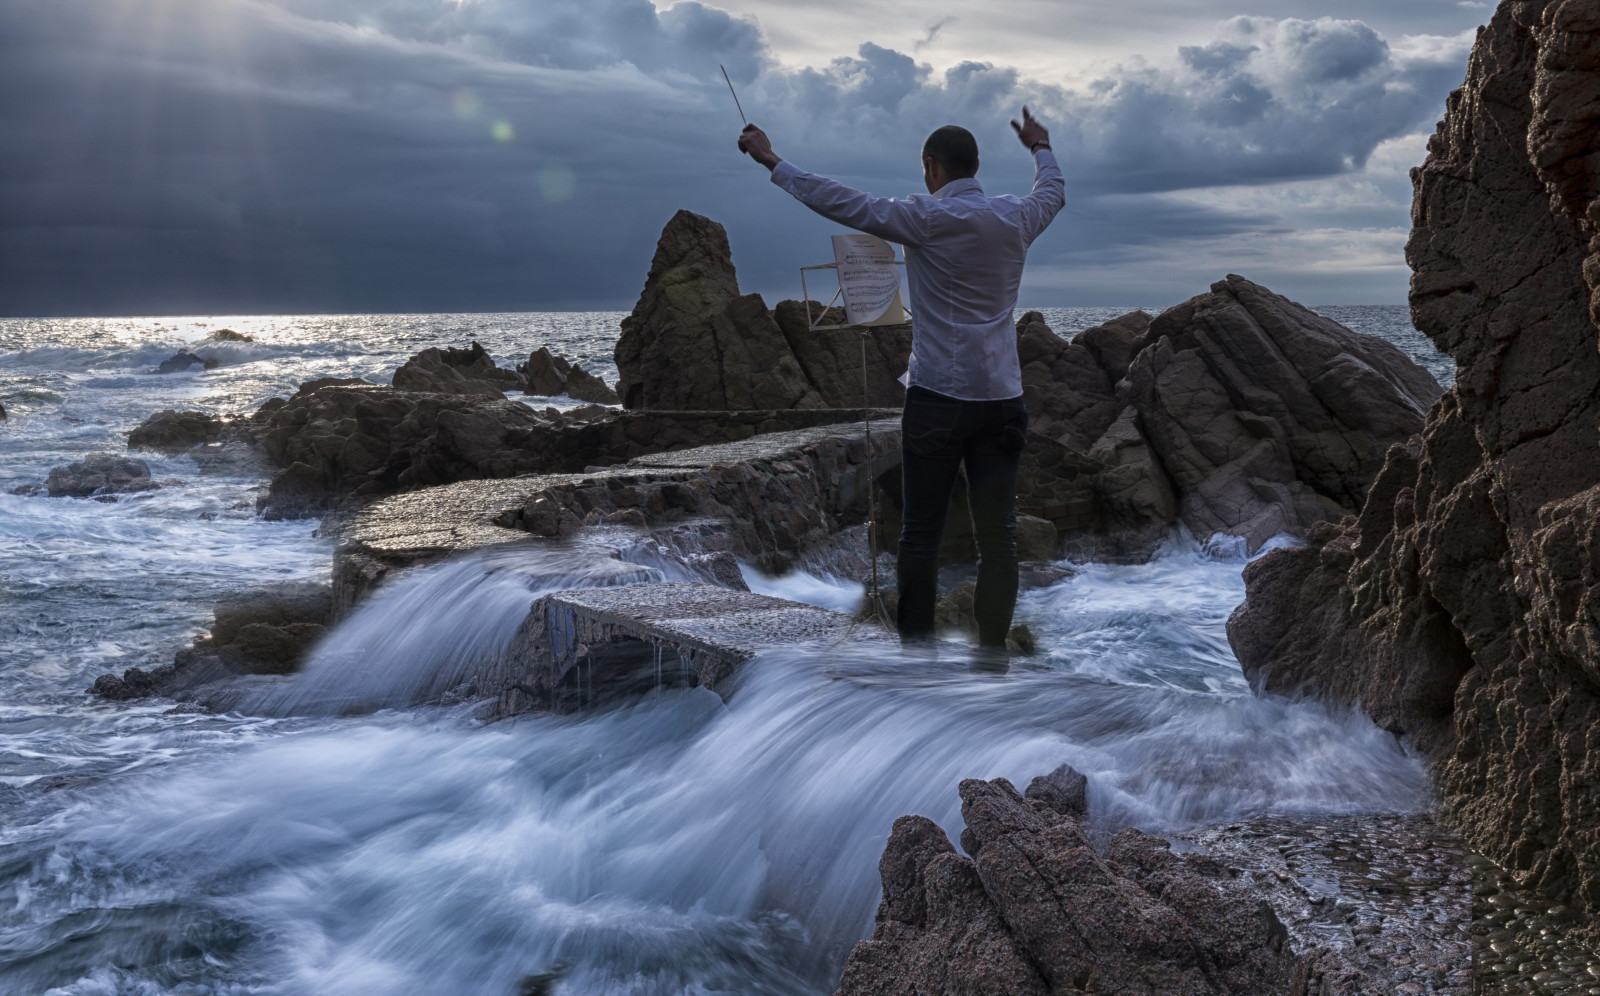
(954, 148)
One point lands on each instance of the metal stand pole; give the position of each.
(872, 485)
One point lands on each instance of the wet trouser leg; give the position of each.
(938, 435)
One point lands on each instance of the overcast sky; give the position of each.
(236, 156)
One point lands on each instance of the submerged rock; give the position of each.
(226, 335)
(469, 371)
(1033, 907)
(184, 361)
(1462, 606)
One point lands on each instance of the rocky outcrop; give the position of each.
(548, 375)
(694, 343)
(270, 630)
(1033, 907)
(226, 335)
(350, 445)
(1460, 607)
(98, 475)
(469, 371)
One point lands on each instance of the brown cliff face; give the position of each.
(1462, 606)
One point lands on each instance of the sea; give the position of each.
(672, 843)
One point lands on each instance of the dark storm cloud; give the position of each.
(240, 155)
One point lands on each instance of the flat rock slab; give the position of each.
(578, 647)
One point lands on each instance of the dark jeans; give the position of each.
(939, 434)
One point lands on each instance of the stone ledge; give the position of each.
(580, 647)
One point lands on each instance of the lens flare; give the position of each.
(467, 104)
(502, 131)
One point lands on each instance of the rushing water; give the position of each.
(672, 843)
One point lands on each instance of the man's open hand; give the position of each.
(754, 143)
(1030, 131)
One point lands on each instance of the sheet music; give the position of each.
(868, 277)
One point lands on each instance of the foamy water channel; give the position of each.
(670, 843)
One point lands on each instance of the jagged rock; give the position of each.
(456, 371)
(226, 335)
(693, 342)
(548, 374)
(1070, 397)
(1036, 909)
(1460, 607)
(1267, 417)
(270, 630)
(96, 475)
(182, 361)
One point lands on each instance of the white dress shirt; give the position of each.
(964, 257)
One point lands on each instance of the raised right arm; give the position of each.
(886, 217)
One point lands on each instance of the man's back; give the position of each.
(964, 257)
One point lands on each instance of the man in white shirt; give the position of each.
(964, 257)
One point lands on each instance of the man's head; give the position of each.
(950, 153)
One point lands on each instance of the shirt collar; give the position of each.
(957, 187)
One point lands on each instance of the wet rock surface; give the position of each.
(1522, 944)
(1375, 903)
(1459, 607)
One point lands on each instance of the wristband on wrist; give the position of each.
(1036, 146)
